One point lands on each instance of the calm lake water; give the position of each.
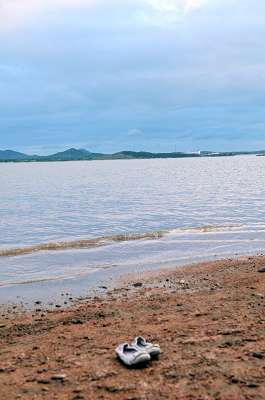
(74, 225)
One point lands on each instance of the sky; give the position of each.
(150, 75)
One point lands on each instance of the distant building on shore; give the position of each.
(195, 152)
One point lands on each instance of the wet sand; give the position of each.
(209, 319)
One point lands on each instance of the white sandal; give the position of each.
(140, 344)
(131, 355)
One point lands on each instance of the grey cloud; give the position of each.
(106, 70)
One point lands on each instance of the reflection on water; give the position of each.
(67, 201)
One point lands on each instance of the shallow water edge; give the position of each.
(67, 291)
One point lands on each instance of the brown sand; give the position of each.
(210, 328)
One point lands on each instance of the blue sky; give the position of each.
(111, 75)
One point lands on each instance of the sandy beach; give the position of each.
(208, 318)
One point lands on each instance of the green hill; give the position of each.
(70, 154)
(144, 154)
(14, 155)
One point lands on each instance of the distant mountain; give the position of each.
(83, 154)
(14, 155)
(67, 155)
(70, 154)
(85, 151)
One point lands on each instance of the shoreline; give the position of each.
(208, 318)
(65, 290)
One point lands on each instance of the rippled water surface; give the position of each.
(64, 220)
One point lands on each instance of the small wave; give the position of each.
(58, 278)
(106, 239)
(44, 279)
(82, 243)
(208, 228)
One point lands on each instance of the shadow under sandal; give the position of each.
(130, 355)
(140, 344)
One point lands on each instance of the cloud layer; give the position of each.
(136, 75)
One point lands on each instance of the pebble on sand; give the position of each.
(59, 377)
(137, 284)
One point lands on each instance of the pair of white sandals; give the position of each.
(139, 352)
